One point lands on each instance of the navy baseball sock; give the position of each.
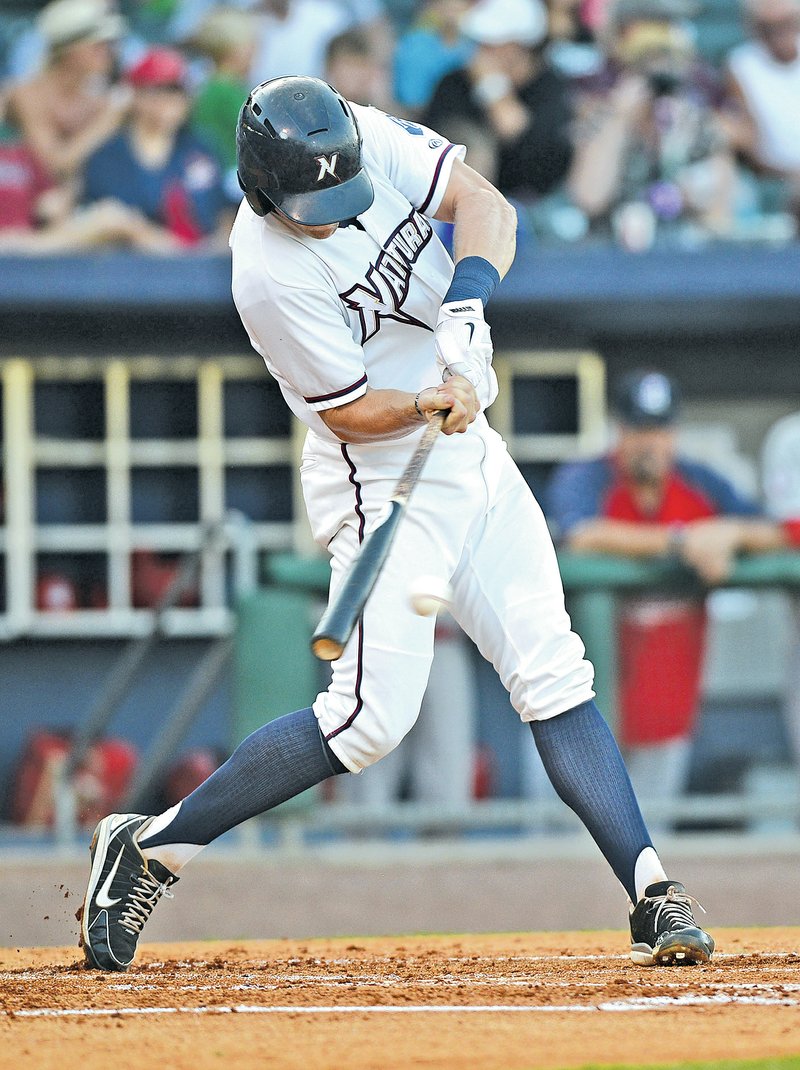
(275, 763)
(586, 768)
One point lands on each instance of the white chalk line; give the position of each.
(634, 1004)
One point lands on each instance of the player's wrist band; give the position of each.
(419, 410)
(473, 277)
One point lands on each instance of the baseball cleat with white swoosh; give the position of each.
(123, 889)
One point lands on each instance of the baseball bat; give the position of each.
(340, 618)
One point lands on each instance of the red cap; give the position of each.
(158, 67)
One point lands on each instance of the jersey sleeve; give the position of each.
(307, 344)
(727, 500)
(575, 493)
(416, 160)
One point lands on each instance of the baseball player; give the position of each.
(369, 329)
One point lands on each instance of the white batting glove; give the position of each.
(463, 343)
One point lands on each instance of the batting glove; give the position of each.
(463, 343)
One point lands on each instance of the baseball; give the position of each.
(429, 594)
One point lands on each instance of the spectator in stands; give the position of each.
(24, 183)
(433, 47)
(38, 216)
(764, 82)
(293, 35)
(652, 156)
(157, 166)
(152, 21)
(573, 48)
(643, 500)
(73, 104)
(507, 104)
(352, 66)
(226, 37)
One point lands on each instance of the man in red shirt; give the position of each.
(643, 500)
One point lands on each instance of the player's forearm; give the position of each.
(374, 417)
(485, 225)
(761, 536)
(386, 414)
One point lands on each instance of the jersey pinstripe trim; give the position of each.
(359, 703)
(435, 181)
(359, 676)
(321, 399)
(353, 477)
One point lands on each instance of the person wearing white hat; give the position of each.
(67, 109)
(508, 104)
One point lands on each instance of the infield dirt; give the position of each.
(501, 1002)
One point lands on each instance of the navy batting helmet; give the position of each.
(298, 149)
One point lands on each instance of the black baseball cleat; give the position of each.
(663, 929)
(123, 888)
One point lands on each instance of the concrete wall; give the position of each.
(363, 891)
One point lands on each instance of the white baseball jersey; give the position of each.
(329, 316)
(356, 311)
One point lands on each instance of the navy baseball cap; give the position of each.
(647, 399)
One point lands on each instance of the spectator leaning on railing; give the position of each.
(643, 500)
(651, 157)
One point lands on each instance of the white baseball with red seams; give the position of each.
(358, 309)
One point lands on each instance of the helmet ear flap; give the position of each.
(255, 198)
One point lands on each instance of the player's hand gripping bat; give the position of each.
(339, 619)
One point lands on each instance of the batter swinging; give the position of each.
(354, 304)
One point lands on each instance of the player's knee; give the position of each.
(380, 740)
(369, 739)
(371, 734)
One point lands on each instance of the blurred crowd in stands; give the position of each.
(603, 120)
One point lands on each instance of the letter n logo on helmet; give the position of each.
(327, 166)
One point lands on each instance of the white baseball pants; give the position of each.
(473, 521)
